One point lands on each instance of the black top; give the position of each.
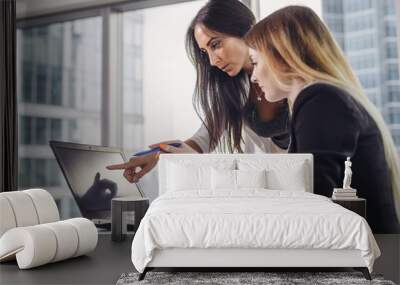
(276, 129)
(331, 125)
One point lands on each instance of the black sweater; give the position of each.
(328, 123)
(276, 129)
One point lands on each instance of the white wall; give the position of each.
(169, 77)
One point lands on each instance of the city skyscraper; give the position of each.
(60, 95)
(368, 33)
(59, 99)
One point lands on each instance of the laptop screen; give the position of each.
(92, 185)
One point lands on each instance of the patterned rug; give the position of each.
(243, 278)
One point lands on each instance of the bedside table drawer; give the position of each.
(358, 206)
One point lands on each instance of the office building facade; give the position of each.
(368, 33)
(60, 95)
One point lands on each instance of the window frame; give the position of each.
(111, 115)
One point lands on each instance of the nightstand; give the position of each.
(126, 211)
(358, 205)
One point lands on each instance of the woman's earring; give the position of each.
(259, 98)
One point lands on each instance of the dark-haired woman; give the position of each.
(235, 115)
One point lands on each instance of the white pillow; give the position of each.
(251, 179)
(291, 179)
(223, 179)
(226, 179)
(183, 177)
(282, 174)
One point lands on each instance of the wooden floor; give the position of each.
(110, 260)
(103, 266)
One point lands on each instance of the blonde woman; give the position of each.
(295, 57)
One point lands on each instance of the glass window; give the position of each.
(364, 49)
(39, 172)
(24, 173)
(25, 130)
(365, 61)
(396, 136)
(41, 84)
(394, 93)
(41, 131)
(392, 72)
(368, 80)
(357, 5)
(56, 85)
(56, 129)
(268, 7)
(70, 100)
(391, 50)
(73, 130)
(389, 7)
(158, 79)
(54, 174)
(335, 25)
(360, 23)
(27, 82)
(332, 6)
(356, 43)
(158, 83)
(394, 117)
(340, 42)
(60, 67)
(390, 28)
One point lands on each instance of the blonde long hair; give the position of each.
(297, 45)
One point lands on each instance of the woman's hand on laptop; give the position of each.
(166, 146)
(136, 167)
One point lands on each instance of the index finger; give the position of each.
(117, 166)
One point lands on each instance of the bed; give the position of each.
(246, 211)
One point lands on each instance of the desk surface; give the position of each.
(102, 266)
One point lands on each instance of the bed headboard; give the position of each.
(282, 163)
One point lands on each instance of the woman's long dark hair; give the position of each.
(219, 98)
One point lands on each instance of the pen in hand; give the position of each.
(153, 150)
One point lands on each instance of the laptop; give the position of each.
(92, 185)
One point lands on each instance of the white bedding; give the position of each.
(251, 218)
